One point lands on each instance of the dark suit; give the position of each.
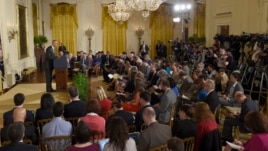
(50, 56)
(152, 79)
(106, 62)
(231, 90)
(8, 117)
(246, 107)
(212, 99)
(154, 135)
(144, 49)
(75, 109)
(184, 128)
(126, 116)
(19, 147)
(30, 133)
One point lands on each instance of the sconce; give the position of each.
(89, 32)
(139, 33)
(12, 31)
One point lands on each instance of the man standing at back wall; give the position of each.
(50, 56)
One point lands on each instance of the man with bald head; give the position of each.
(237, 119)
(155, 134)
(19, 115)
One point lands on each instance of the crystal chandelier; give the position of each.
(145, 6)
(119, 11)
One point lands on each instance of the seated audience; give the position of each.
(247, 105)
(205, 122)
(15, 134)
(19, 115)
(76, 107)
(155, 134)
(134, 105)
(119, 112)
(18, 101)
(117, 132)
(45, 111)
(95, 122)
(57, 126)
(175, 144)
(185, 126)
(257, 122)
(82, 138)
(233, 87)
(105, 103)
(212, 98)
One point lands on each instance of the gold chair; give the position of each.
(189, 143)
(172, 113)
(73, 121)
(132, 128)
(143, 126)
(159, 148)
(56, 143)
(106, 114)
(25, 141)
(40, 124)
(240, 136)
(97, 135)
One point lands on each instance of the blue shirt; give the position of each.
(57, 127)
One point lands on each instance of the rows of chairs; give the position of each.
(188, 145)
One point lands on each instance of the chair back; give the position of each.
(131, 128)
(159, 148)
(40, 124)
(56, 143)
(97, 135)
(73, 121)
(173, 113)
(25, 141)
(107, 114)
(189, 143)
(143, 126)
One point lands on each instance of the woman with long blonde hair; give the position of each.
(205, 121)
(105, 103)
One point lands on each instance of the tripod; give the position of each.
(260, 74)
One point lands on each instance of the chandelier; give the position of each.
(145, 6)
(119, 11)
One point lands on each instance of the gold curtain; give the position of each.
(200, 20)
(35, 20)
(63, 22)
(114, 34)
(161, 23)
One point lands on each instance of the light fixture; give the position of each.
(119, 11)
(145, 6)
(89, 32)
(176, 19)
(139, 33)
(182, 7)
(12, 31)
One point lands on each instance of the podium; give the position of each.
(61, 73)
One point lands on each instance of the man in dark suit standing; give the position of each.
(212, 98)
(50, 56)
(176, 46)
(144, 49)
(15, 134)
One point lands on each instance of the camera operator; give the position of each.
(161, 49)
(221, 58)
(176, 47)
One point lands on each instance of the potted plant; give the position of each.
(80, 81)
(40, 40)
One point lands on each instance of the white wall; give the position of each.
(8, 17)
